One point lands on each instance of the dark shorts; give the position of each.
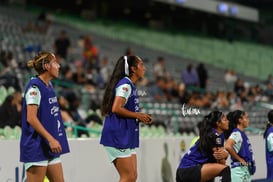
(191, 174)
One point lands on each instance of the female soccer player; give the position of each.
(268, 136)
(120, 105)
(43, 137)
(239, 147)
(206, 158)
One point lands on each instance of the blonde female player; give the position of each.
(43, 137)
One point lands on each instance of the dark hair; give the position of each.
(269, 123)
(206, 134)
(233, 118)
(118, 74)
(39, 60)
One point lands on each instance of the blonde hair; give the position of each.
(39, 61)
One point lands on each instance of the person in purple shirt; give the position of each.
(268, 136)
(120, 106)
(206, 159)
(239, 147)
(190, 77)
(43, 137)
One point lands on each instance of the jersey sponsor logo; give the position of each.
(136, 100)
(135, 92)
(59, 128)
(54, 111)
(137, 108)
(53, 100)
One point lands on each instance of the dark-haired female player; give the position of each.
(239, 147)
(268, 136)
(206, 159)
(120, 105)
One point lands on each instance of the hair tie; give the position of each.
(42, 58)
(126, 66)
(43, 63)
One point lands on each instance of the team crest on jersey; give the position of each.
(218, 141)
(125, 89)
(33, 93)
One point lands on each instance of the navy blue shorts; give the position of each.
(189, 174)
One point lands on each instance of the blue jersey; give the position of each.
(34, 147)
(196, 157)
(269, 152)
(243, 148)
(120, 132)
